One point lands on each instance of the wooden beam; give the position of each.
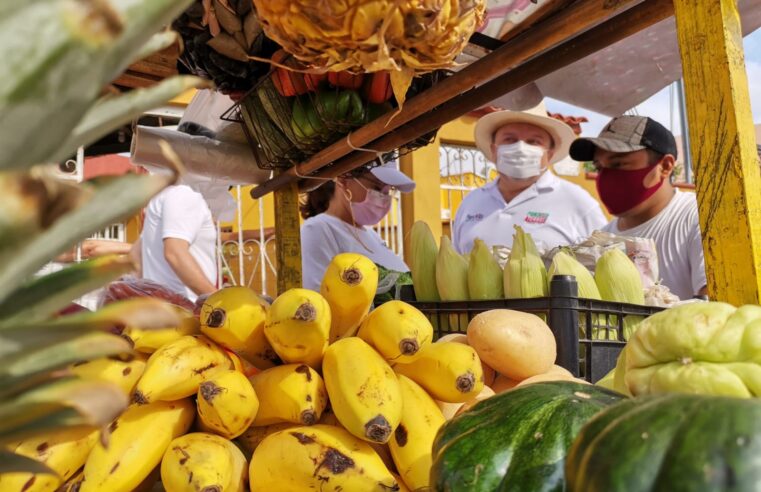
(723, 147)
(554, 30)
(287, 238)
(620, 27)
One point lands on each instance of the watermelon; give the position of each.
(516, 440)
(671, 442)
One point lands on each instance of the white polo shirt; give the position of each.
(554, 211)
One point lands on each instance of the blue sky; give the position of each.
(657, 106)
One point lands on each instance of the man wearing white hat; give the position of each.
(523, 144)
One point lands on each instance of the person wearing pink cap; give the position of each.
(338, 218)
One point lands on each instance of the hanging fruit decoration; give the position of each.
(403, 37)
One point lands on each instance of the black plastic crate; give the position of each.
(571, 319)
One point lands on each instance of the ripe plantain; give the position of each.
(292, 393)
(397, 331)
(227, 404)
(349, 285)
(200, 462)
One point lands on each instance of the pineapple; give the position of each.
(49, 106)
(404, 37)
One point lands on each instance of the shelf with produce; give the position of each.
(516, 63)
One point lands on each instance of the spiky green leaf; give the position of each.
(47, 295)
(17, 368)
(15, 463)
(111, 200)
(111, 112)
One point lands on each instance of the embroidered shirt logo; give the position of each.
(536, 218)
(474, 217)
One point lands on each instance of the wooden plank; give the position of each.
(723, 147)
(546, 34)
(287, 238)
(135, 80)
(620, 27)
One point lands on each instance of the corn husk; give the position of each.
(565, 264)
(423, 264)
(525, 275)
(452, 282)
(484, 274)
(618, 280)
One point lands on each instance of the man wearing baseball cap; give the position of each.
(523, 145)
(635, 158)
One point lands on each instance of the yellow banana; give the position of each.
(63, 451)
(73, 484)
(137, 441)
(397, 331)
(298, 324)
(254, 435)
(291, 393)
(329, 418)
(227, 404)
(123, 371)
(449, 371)
(349, 285)
(176, 370)
(363, 389)
(320, 457)
(234, 318)
(149, 341)
(412, 442)
(200, 462)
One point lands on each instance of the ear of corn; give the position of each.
(452, 282)
(423, 264)
(525, 275)
(618, 280)
(451, 273)
(484, 273)
(565, 264)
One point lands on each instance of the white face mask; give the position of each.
(520, 160)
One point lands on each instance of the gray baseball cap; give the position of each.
(626, 134)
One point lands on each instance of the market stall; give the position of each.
(483, 372)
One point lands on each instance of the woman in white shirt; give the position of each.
(338, 216)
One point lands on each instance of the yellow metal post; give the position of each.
(287, 238)
(425, 202)
(723, 147)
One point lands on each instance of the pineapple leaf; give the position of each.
(47, 295)
(110, 112)
(15, 463)
(15, 369)
(141, 312)
(158, 42)
(142, 18)
(69, 402)
(111, 200)
(60, 55)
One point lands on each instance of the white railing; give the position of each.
(455, 163)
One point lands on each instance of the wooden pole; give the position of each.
(723, 147)
(287, 238)
(425, 203)
(546, 34)
(613, 30)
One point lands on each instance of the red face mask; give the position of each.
(622, 190)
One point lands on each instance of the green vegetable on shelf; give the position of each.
(317, 114)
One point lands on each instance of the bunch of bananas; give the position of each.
(310, 390)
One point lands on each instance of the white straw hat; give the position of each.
(562, 134)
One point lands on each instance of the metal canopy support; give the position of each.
(723, 149)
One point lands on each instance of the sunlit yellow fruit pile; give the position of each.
(312, 389)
